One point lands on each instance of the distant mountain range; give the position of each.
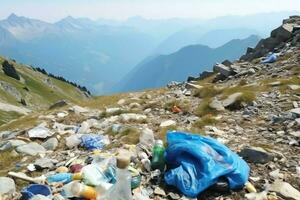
(190, 60)
(98, 54)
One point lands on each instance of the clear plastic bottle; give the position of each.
(121, 190)
(158, 160)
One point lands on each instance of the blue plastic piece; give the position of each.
(196, 163)
(61, 177)
(270, 59)
(92, 141)
(35, 189)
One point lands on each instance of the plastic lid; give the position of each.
(123, 162)
(159, 142)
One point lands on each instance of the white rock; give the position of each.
(276, 174)
(132, 117)
(193, 86)
(78, 109)
(40, 132)
(295, 133)
(285, 189)
(257, 196)
(112, 110)
(121, 102)
(32, 149)
(147, 137)
(231, 99)
(7, 185)
(73, 140)
(294, 87)
(168, 123)
(84, 128)
(295, 111)
(61, 114)
(16, 143)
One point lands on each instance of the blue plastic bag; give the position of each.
(196, 162)
(93, 142)
(270, 59)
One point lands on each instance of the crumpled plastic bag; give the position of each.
(196, 163)
(93, 141)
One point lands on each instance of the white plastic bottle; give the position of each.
(121, 190)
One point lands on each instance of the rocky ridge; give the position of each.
(250, 107)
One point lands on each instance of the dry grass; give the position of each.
(184, 105)
(7, 161)
(103, 101)
(24, 122)
(204, 108)
(163, 132)
(207, 91)
(204, 121)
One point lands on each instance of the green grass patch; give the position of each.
(21, 123)
(6, 117)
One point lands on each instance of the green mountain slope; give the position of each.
(34, 89)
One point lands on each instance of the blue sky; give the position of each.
(52, 10)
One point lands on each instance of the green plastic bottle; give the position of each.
(158, 159)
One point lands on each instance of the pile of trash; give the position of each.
(190, 163)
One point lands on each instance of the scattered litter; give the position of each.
(93, 141)
(270, 59)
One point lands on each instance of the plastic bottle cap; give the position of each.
(159, 142)
(77, 176)
(123, 162)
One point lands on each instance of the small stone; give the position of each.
(276, 83)
(40, 132)
(294, 87)
(51, 144)
(73, 140)
(295, 104)
(7, 185)
(58, 104)
(44, 163)
(112, 110)
(32, 149)
(295, 133)
(159, 191)
(231, 100)
(121, 102)
(296, 112)
(168, 123)
(173, 195)
(256, 155)
(193, 86)
(126, 117)
(276, 174)
(216, 104)
(16, 143)
(285, 189)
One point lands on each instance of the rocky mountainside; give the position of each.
(188, 61)
(251, 107)
(24, 89)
